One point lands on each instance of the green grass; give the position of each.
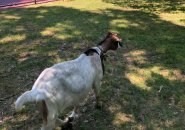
(143, 87)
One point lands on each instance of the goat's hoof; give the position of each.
(67, 126)
(99, 106)
(70, 119)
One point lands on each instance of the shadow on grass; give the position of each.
(128, 107)
(35, 38)
(151, 5)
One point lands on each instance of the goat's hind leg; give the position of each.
(69, 121)
(49, 123)
(74, 114)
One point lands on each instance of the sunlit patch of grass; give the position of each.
(22, 117)
(7, 121)
(25, 55)
(57, 59)
(79, 4)
(114, 107)
(43, 10)
(19, 28)
(90, 6)
(9, 17)
(61, 31)
(175, 18)
(12, 38)
(139, 75)
(171, 74)
(139, 79)
(39, 16)
(48, 32)
(137, 56)
(120, 23)
(121, 118)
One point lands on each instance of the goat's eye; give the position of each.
(116, 42)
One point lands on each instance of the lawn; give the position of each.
(144, 83)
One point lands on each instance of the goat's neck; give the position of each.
(105, 46)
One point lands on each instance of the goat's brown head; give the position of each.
(111, 42)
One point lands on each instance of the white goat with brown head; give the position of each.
(67, 84)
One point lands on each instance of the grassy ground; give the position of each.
(144, 83)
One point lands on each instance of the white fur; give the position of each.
(63, 85)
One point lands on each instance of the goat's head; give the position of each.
(111, 42)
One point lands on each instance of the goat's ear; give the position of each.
(109, 34)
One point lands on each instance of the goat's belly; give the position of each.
(70, 99)
(79, 96)
(79, 86)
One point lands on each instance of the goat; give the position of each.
(67, 84)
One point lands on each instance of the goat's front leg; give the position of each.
(74, 114)
(68, 119)
(97, 95)
(68, 122)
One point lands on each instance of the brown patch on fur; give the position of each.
(44, 112)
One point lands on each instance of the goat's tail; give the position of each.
(28, 96)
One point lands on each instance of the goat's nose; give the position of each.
(120, 44)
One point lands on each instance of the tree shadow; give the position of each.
(151, 5)
(125, 106)
(46, 35)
